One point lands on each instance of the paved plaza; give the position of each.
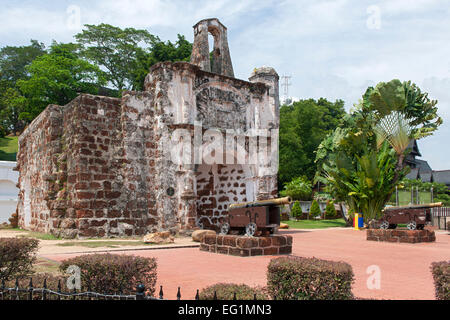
(405, 268)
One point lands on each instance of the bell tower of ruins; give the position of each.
(221, 60)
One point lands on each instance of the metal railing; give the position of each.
(44, 293)
(440, 216)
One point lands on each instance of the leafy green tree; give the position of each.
(58, 77)
(298, 189)
(15, 60)
(115, 51)
(13, 115)
(303, 125)
(363, 159)
(314, 210)
(160, 51)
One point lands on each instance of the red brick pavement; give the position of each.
(405, 268)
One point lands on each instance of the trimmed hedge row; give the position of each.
(226, 291)
(441, 277)
(17, 256)
(297, 278)
(112, 273)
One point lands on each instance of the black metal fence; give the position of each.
(44, 293)
(440, 216)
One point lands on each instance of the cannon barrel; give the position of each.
(415, 206)
(262, 203)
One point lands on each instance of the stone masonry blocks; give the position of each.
(401, 235)
(244, 246)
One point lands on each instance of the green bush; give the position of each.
(314, 210)
(441, 277)
(17, 256)
(38, 282)
(112, 273)
(298, 278)
(298, 189)
(296, 210)
(226, 291)
(14, 220)
(330, 211)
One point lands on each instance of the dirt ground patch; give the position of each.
(65, 246)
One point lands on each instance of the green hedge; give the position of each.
(112, 273)
(441, 277)
(297, 278)
(17, 256)
(226, 291)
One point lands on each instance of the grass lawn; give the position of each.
(8, 148)
(46, 265)
(38, 235)
(315, 224)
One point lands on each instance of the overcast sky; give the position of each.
(332, 49)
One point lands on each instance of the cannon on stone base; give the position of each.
(414, 216)
(250, 217)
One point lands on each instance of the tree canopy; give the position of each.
(58, 77)
(303, 125)
(104, 60)
(115, 51)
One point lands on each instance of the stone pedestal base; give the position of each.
(244, 246)
(401, 235)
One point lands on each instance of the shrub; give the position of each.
(14, 220)
(314, 210)
(17, 256)
(296, 210)
(38, 282)
(297, 278)
(112, 273)
(330, 211)
(441, 277)
(225, 291)
(298, 189)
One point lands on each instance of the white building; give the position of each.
(8, 190)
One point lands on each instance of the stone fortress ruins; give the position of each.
(106, 167)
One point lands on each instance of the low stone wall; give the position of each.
(401, 235)
(244, 246)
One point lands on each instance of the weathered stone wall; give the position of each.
(101, 166)
(39, 145)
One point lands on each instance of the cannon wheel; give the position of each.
(250, 229)
(384, 225)
(224, 228)
(412, 225)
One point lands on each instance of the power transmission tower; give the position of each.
(285, 83)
